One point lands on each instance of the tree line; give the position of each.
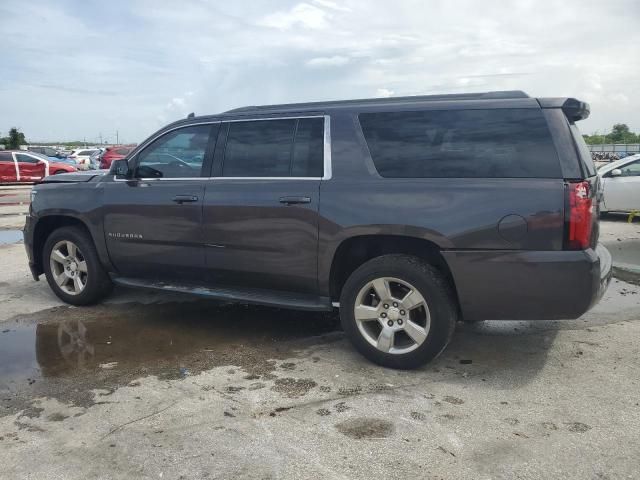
(620, 133)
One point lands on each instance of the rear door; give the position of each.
(30, 167)
(622, 192)
(261, 208)
(8, 168)
(153, 221)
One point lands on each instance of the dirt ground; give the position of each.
(164, 386)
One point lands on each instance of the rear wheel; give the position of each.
(72, 267)
(398, 311)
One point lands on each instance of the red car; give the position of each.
(23, 166)
(113, 153)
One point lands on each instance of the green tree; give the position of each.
(14, 140)
(619, 133)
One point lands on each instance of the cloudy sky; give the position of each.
(75, 69)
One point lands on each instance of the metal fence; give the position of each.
(615, 147)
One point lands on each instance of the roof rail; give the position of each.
(507, 94)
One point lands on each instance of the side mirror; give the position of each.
(120, 168)
(616, 172)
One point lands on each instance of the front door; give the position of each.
(261, 207)
(622, 192)
(153, 221)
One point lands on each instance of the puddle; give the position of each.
(10, 236)
(66, 352)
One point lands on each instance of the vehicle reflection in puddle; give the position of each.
(10, 236)
(120, 342)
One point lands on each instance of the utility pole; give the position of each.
(100, 138)
(117, 139)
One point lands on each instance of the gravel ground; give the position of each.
(157, 386)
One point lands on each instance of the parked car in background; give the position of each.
(94, 160)
(113, 153)
(429, 210)
(25, 166)
(82, 155)
(621, 185)
(49, 152)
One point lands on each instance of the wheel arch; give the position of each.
(45, 227)
(356, 250)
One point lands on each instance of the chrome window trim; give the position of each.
(327, 170)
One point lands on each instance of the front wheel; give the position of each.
(72, 267)
(398, 311)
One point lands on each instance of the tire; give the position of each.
(94, 281)
(421, 329)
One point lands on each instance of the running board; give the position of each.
(272, 298)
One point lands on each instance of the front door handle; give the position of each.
(294, 200)
(185, 199)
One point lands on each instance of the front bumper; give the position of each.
(27, 233)
(529, 285)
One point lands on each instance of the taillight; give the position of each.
(579, 216)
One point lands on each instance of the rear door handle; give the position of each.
(294, 200)
(185, 198)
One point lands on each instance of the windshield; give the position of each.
(39, 155)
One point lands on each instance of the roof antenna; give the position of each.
(191, 115)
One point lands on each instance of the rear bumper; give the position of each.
(529, 285)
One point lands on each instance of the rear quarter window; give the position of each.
(583, 151)
(498, 143)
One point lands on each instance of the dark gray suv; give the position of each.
(406, 213)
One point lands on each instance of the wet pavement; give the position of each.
(10, 236)
(108, 346)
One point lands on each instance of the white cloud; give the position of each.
(334, 61)
(303, 14)
(384, 92)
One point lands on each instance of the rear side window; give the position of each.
(122, 151)
(274, 148)
(497, 143)
(308, 148)
(6, 157)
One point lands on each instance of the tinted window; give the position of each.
(6, 157)
(258, 149)
(22, 158)
(177, 154)
(275, 148)
(308, 148)
(123, 151)
(461, 143)
(35, 149)
(583, 151)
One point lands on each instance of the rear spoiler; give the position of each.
(575, 110)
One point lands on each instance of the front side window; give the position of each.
(274, 148)
(177, 154)
(6, 157)
(631, 170)
(497, 143)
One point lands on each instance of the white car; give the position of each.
(82, 155)
(621, 182)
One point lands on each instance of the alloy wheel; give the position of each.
(68, 267)
(392, 315)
